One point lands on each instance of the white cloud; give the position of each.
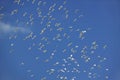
(7, 28)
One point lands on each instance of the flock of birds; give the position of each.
(57, 37)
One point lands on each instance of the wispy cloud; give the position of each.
(7, 28)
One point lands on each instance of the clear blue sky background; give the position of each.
(102, 16)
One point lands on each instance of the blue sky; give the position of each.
(59, 40)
